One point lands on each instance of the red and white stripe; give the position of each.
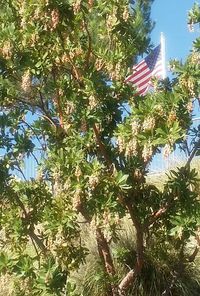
(142, 75)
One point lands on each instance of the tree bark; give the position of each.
(133, 273)
(105, 255)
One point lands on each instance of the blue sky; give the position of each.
(171, 19)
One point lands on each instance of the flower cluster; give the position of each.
(6, 50)
(189, 85)
(135, 127)
(147, 152)
(69, 108)
(166, 150)
(114, 71)
(195, 58)
(84, 126)
(92, 102)
(131, 148)
(172, 116)
(93, 181)
(26, 82)
(121, 143)
(99, 64)
(78, 172)
(149, 123)
(126, 14)
(76, 6)
(190, 106)
(159, 109)
(55, 18)
(111, 20)
(90, 3)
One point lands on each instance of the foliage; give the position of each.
(62, 90)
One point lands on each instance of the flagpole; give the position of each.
(162, 44)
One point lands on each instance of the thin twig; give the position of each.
(58, 100)
(31, 229)
(31, 128)
(89, 43)
(192, 154)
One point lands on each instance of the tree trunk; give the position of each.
(132, 274)
(105, 255)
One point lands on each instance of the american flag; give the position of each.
(149, 67)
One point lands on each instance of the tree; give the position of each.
(57, 61)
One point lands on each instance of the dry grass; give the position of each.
(6, 286)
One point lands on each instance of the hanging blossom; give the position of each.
(34, 39)
(159, 110)
(84, 126)
(191, 87)
(92, 102)
(90, 3)
(121, 143)
(135, 127)
(149, 123)
(93, 181)
(189, 106)
(70, 108)
(78, 172)
(126, 14)
(195, 58)
(6, 50)
(99, 64)
(55, 17)
(22, 7)
(172, 116)
(26, 81)
(67, 185)
(147, 152)
(131, 148)
(76, 6)
(111, 20)
(166, 151)
(114, 71)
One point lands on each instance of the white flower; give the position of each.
(54, 18)
(135, 126)
(147, 152)
(78, 172)
(121, 143)
(166, 150)
(69, 109)
(76, 6)
(7, 50)
(190, 106)
(93, 181)
(26, 81)
(149, 123)
(131, 148)
(92, 102)
(126, 14)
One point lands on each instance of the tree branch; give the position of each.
(102, 146)
(192, 154)
(105, 255)
(31, 232)
(57, 98)
(89, 43)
